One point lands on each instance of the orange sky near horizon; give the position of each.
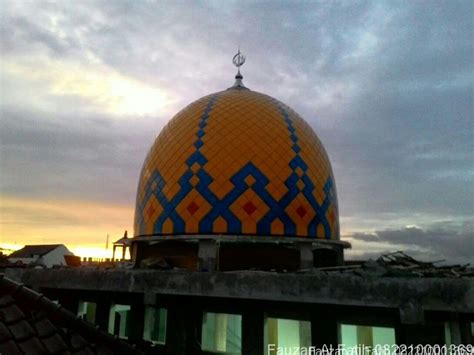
(81, 225)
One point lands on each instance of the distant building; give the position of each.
(45, 255)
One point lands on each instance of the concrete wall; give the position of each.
(23, 260)
(406, 294)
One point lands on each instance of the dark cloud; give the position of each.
(442, 240)
(73, 156)
(26, 32)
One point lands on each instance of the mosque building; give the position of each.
(244, 170)
(237, 249)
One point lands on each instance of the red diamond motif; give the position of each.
(249, 207)
(150, 210)
(301, 211)
(192, 208)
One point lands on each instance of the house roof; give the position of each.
(28, 251)
(32, 324)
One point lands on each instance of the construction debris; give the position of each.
(399, 264)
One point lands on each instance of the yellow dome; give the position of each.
(237, 162)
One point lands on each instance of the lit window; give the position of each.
(119, 320)
(222, 333)
(452, 333)
(447, 334)
(86, 311)
(286, 334)
(352, 336)
(155, 325)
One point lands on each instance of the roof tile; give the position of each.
(6, 300)
(31, 323)
(102, 350)
(4, 333)
(55, 344)
(22, 330)
(11, 314)
(77, 341)
(9, 348)
(85, 351)
(32, 346)
(44, 328)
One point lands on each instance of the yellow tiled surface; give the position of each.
(237, 162)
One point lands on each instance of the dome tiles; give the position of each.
(237, 162)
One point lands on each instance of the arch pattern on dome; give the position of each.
(247, 205)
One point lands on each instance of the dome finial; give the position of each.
(238, 60)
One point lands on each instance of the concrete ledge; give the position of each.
(244, 239)
(432, 294)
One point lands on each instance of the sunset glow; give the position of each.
(106, 90)
(82, 226)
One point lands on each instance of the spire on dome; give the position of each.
(238, 60)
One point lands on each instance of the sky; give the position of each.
(388, 86)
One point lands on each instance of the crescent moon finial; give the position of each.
(238, 60)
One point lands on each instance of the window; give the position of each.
(357, 335)
(222, 333)
(86, 311)
(155, 325)
(452, 333)
(119, 320)
(286, 334)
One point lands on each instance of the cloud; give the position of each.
(443, 240)
(72, 156)
(100, 88)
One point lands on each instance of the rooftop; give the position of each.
(29, 251)
(357, 285)
(31, 323)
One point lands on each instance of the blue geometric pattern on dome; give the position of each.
(278, 210)
(221, 207)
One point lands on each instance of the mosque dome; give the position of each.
(237, 162)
